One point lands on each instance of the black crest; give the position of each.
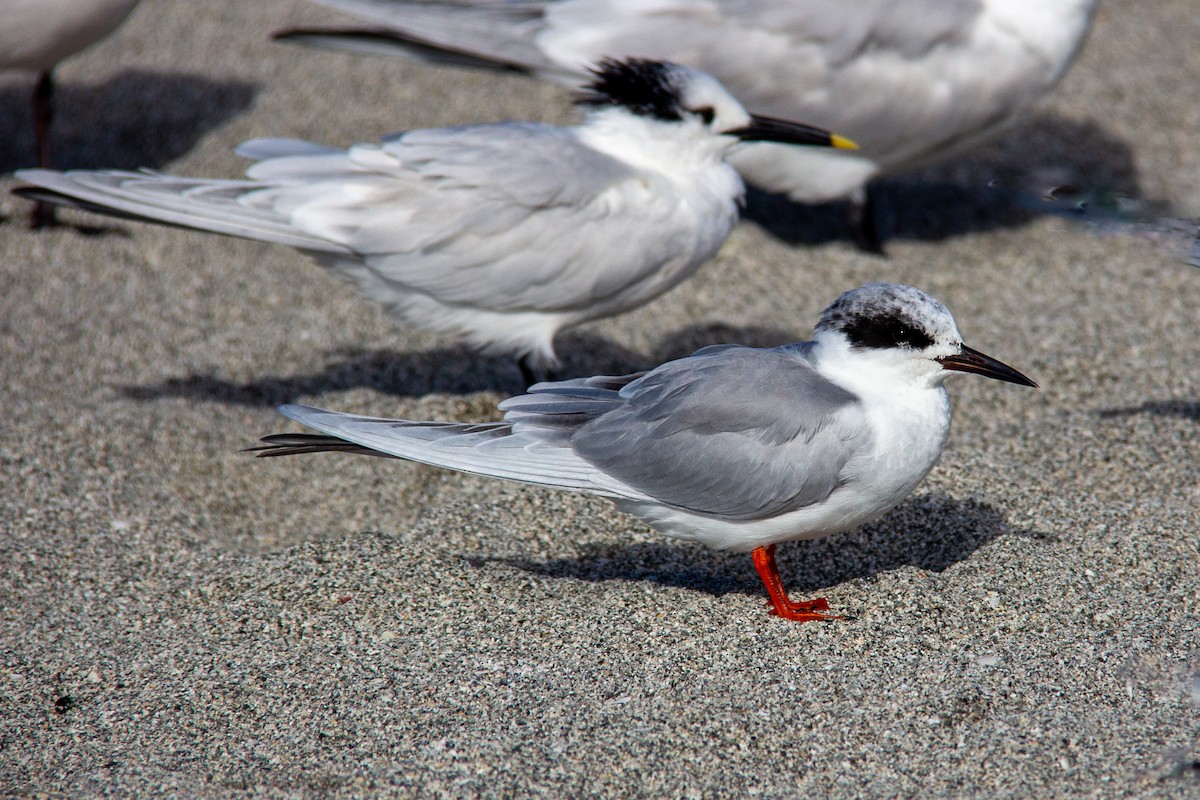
(641, 85)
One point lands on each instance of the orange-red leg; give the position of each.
(781, 605)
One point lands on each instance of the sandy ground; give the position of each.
(180, 619)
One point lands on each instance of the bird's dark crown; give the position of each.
(885, 315)
(645, 87)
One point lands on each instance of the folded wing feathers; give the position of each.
(229, 207)
(612, 383)
(500, 32)
(492, 449)
(278, 147)
(295, 444)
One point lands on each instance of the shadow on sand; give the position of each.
(1184, 409)
(930, 532)
(999, 185)
(451, 370)
(135, 119)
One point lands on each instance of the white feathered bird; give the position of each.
(734, 447)
(502, 234)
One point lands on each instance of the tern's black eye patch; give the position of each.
(638, 84)
(885, 330)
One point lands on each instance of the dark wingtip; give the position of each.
(295, 444)
(37, 193)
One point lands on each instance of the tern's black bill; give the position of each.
(770, 129)
(971, 360)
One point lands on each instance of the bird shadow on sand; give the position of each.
(453, 370)
(136, 118)
(1184, 409)
(999, 185)
(930, 532)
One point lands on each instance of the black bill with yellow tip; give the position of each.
(782, 131)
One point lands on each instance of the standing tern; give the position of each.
(912, 81)
(502, 234)
(735, 447)
(37, 34)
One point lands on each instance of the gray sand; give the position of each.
(179, 618)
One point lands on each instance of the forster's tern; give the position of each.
(37, 34)
(502, 234)
(735, 447)
(911, 81)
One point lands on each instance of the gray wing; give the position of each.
(481, 34)
(530, 446)
(485, 215)
(738, 433)
(910, 28)
(730, 431)
(217, 206)
(553, 411)
(733, 432)
(559, 38)
(508, 217)
(492, 449)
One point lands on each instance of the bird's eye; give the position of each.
(909, 337)
(707, 114)
(885, 330)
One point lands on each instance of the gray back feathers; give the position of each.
(733, 432)
(712, 434)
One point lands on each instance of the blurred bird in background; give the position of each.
(911, 81)
(501, 234)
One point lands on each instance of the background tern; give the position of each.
(37, 34)
(735, 447)
(911, 81)
(502, 234)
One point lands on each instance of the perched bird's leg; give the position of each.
(43, 115)
(42, 215)
(531, 374)
(861, 219)
(782, 605)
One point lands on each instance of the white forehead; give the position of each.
(699, 89)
